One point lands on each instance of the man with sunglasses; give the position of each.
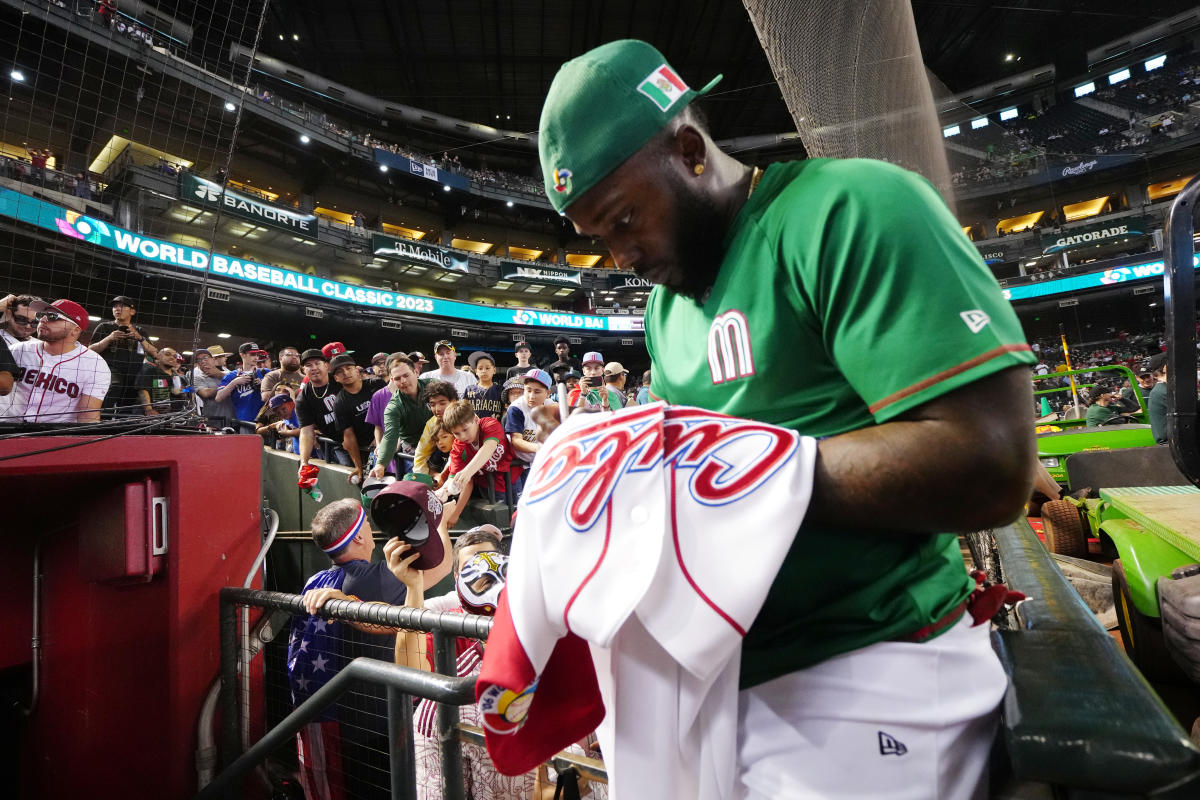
(18, 323)
(59, 379)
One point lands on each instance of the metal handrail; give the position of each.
(401, 682)
(1179, 294)
(471, 626)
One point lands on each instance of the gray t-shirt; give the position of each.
(212, 409)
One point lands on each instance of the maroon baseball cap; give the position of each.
(398, 511)
(68, 308)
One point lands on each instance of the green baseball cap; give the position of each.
(601, 108)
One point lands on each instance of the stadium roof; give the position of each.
(490, 61)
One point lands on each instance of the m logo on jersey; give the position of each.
(975, 319)
(729, 458)
(730, 355)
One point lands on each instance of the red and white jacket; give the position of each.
(645, 544)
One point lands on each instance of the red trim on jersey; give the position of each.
(683, 567)
(41, 361)
(595, 569)
(947, 374)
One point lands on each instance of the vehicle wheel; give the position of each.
(1064, 529)
(1142, 635)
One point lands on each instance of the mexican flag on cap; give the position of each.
(663, 87)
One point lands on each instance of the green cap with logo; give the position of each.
(601, 108)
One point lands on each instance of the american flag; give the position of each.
(315, 645)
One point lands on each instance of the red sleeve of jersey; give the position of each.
(490, 428)
(456, 457)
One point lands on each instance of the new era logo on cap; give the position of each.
(663, 87)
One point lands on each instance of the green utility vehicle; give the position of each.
(1146, 512)
(1073, 437)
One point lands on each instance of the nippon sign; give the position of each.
(1082, 237)
(89, 230)
(512, 271)
(198, 191)
(426, 255)
(629, 283)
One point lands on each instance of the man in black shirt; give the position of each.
(314, 407)
(160, 390)
(523, 364)
(350, 409)
(562, 349)
(124, 346)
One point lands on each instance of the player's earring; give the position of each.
(698, 169)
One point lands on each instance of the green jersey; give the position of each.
(847, 296)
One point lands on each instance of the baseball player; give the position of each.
(838, 298)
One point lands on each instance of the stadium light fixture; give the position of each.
(93, 319)
(1154, 63)
(509, 203)
(224, 335)
(952, 130)
(230, 106)
(154, 338)
(383, 167)
(1118, 76)
(976, 124)
(1008, 113)
(1008, 57)
(446, 187)
(304, 138)
(1085, 88)
(17, 76)
(295, 37)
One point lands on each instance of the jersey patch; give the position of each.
(975, 319)
(730, 354)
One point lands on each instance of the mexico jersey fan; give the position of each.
(60, 380)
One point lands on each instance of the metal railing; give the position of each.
(403, 683)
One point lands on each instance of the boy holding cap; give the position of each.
(318, 648)
(59, 379)
(487, 397)
(523, 364)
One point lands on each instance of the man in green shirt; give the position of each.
(1156, 403)
(405, 416)
(1102, 409)
(841, 299)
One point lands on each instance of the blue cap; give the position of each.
(539, 375)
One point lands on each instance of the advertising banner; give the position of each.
(426, 255)
(198, 191)
(628, 282)
(993, 253)
(1094, 234)
(427, 171)
(35, 211)
(516, 271)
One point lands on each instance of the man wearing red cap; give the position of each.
(60, 380)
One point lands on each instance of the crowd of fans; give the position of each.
(385, 414)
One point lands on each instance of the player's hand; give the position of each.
(378, 471)
(400, 557)
(315, 598)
